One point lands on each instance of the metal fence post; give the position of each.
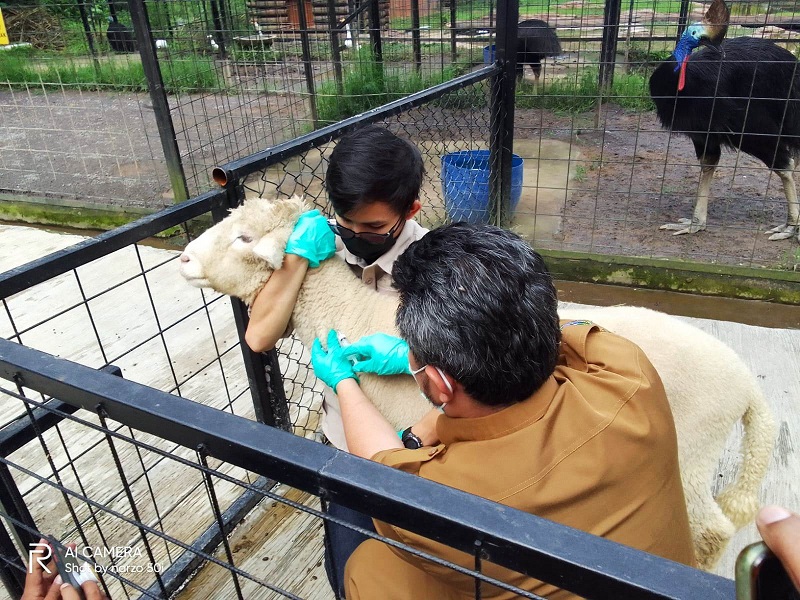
(308, 68)
(87, 30)
(375, 32)
(13, 578)
(501, 113)
(262, 368)
(608, 50)
(683, 19)
(416, 42)
(453, 19)
(13, 504)
(336, 52)
(158, 95)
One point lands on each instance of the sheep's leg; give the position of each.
(792, 225)
(708, 164)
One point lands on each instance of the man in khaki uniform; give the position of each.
(563, 420)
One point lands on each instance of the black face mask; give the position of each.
(367, 251)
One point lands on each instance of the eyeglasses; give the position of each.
(372, 238)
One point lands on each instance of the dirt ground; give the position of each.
(633, 176)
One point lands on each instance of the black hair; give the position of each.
(373, 164)
(478, 302)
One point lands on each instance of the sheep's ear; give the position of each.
(272, 247)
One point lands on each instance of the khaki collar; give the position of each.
(515, 417)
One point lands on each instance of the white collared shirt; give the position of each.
(378, 275)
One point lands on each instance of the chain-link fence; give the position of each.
(141, 553)
(600, 174)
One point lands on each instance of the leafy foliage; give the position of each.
(367, 84)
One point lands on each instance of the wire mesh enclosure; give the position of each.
(145, 553)
(226, 79)
(263, 91)
(150, 510)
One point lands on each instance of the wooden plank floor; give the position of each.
(277, 543)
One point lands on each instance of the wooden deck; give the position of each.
(278, 543)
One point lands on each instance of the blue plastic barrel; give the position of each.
(465, 182)
(488, 54)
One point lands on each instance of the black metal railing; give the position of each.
(590, 566)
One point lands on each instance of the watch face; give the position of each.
(410, 440)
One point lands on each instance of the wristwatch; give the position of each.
(411, 440)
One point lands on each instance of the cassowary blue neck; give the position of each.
(684, 48)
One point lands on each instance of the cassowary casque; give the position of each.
(742, 93)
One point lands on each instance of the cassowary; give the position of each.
(120, 37)
(743, 93)
(535, 41)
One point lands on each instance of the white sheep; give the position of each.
(709, 387)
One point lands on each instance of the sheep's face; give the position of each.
(237, 256)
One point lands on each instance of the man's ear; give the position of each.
(443, 384)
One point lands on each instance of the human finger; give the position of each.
(333, 341)
(37, 576)
(54, 591)
(92, 591)
(353, 350)
(364, 366)
(780, 530)
(68, 592)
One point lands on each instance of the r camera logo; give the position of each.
(41, 553)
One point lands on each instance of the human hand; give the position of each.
(381, 354)
(330, 365)
(91, 591)
(40, 580)
(780, 530)
(312, 238)
(44, 583)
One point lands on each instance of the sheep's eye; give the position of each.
(245, 238)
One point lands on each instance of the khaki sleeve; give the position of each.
(407, 460)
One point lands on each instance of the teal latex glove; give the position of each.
(330, 365)
(379, 353)
(312, 238)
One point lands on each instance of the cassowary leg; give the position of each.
(792, 225)
(698, 221)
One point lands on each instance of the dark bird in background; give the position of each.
(743, 93)
(535, 41)
(120, 37)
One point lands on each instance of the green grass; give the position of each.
(595, 7)
(23, 69)
(581, 93)
(365, 86)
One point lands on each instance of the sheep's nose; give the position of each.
(184, 257)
